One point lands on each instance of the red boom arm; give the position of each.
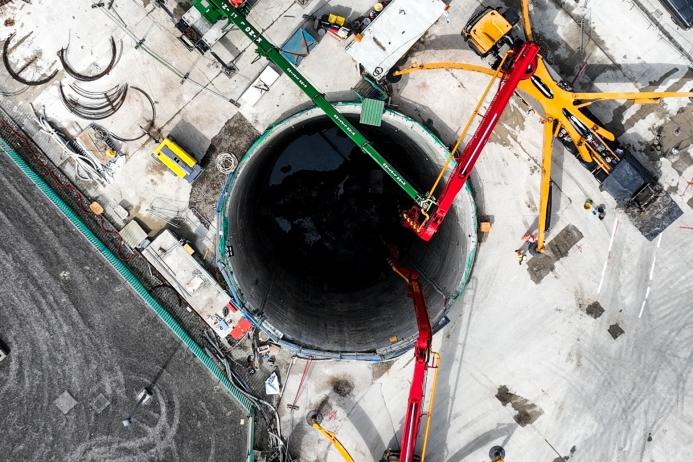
(422, 350)
(521, 67)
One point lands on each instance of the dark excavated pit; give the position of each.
(309, 221)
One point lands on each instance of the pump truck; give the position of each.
(565, 116)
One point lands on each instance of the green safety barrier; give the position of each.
(131, 279)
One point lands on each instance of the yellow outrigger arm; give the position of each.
(636, 97)
(332, 438)
(526, 22)
(550, 129)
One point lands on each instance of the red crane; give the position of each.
(520, 64)
(422, 353)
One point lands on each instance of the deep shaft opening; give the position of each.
(310, 219)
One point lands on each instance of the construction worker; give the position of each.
(520, 255)
(529, 238)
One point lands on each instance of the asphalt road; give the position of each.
(74, 325)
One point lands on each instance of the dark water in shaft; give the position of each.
(329, 209)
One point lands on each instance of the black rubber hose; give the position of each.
(15, 75)
(62, 55)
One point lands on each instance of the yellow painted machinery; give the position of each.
(566, 117)
(314, 419)
(177, 160)
(488, 30)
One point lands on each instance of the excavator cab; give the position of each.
(488, 30)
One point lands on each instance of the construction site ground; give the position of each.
(584, 354)
(84, 345)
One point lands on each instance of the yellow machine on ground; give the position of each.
(564, 115)
(314, 419)
(177, 160)
(487, 31)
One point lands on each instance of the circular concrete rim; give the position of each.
(465, 200)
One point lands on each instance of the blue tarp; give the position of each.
(298, 46)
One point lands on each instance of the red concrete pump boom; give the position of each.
(422, 351)
(521, 65)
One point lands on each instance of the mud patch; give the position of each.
(342, 386)
(380, 369)
(512, 121)
(616, 331)
(180, 8)
(595, 310)
(674, 140)
(235, 137)
(560, 245)
(527, 412)
(155, 168)
(541, 265)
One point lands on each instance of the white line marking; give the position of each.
(654, 259)
(608, 253)
(642, 308)
(647, 292)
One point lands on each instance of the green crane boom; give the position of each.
(266, 49)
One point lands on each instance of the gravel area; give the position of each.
(83, 346)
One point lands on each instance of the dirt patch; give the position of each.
(616, 331)
(690, 202)
(343, 387)
(595, 310)
(675, 134)
(235, 138)
(512, 121)
(155, 168)
(180, 8)
(541, 265)
(380, 369)
(560, 245)
(527, 412)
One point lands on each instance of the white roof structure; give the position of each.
(192, 282)
(388, 38)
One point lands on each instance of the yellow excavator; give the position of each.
(492, 32)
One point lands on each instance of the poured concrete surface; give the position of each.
(83, 345)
